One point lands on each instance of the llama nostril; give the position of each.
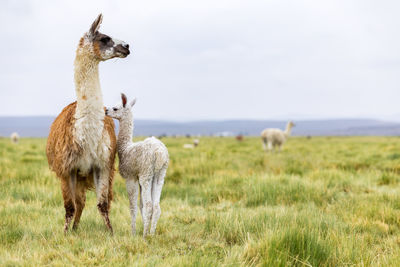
(126, 46)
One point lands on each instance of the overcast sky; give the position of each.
(210, 59)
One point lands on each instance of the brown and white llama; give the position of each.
(81, 145)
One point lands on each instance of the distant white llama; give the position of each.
(14, 137)
(273, 137)
(142, 164)
(191, 146)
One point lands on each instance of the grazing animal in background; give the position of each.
(239, 138)
(14, 137)
(162, 136)
(143, 165)
(196, 142)
(273, 137)
(81, 145)
(191, 146)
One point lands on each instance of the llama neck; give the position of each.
(125, 132)
(87, 85)
(288, 130)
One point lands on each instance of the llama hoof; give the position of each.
(146, 234)
(109, 227)
(66, 225)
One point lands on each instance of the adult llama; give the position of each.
(272, 137)
(81, 145)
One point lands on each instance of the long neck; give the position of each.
(288, 129)
(125, 132)
(87, 84)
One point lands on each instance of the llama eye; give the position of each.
(115, 109)
(105, 39)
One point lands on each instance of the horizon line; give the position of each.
(177, 120)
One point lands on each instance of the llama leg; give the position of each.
(110, 191)
(72, 183)
(102, 184)
(264, 141)
(158, 183)
(132, 186)
(145, 182)
(80, 200)
(68, 193)
(269, 146)
(141, 201)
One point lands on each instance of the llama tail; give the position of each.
(160, 160)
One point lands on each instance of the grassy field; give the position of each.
(320, 202)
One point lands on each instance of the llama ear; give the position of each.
(124, 100)
(96, 25)
(133, 102)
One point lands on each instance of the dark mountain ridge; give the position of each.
(38, 126)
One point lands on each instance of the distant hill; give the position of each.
(39, 127)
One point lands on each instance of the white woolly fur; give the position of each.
(89, 117)
(14, 137)
(273, 137)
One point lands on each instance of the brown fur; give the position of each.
(96, 49)
(81, 41)
(61, 152)
(61, 149)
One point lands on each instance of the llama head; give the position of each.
(290, 124)
(122, 110)
(101, 46)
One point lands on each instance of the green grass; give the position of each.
(325, 201)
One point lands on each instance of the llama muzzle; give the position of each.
(122, 50)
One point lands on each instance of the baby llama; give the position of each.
(81, 145)
(275, 137)
(143, 164)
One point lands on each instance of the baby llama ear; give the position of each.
(124, 100)
(133, 102)
(96, 25)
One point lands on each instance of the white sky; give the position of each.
(210, 59)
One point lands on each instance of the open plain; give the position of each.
(324, 201)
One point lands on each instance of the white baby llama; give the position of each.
(275, 137)
(143, 164)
